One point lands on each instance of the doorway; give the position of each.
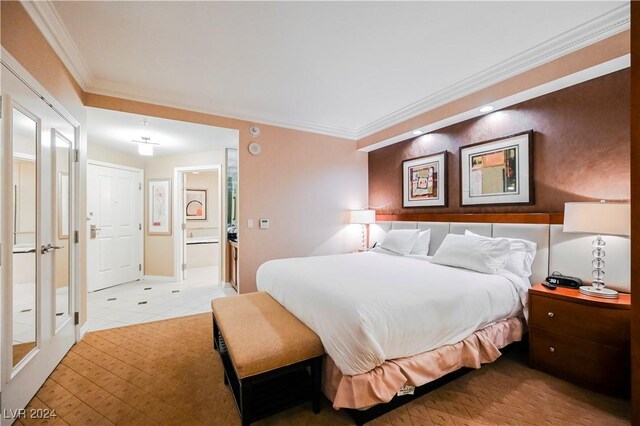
(199, 218)
(39, 267)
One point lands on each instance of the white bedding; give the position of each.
(371, 307)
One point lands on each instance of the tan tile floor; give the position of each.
(166, 373)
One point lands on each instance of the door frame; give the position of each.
(141, 205)
(11, 65)
(178, 217)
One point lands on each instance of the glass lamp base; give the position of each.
(606, 293)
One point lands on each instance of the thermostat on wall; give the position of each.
(264, 223)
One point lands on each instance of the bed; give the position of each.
(387, 321)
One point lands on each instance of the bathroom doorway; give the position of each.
(200, 219)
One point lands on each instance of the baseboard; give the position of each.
(84, 329)
(158, 278)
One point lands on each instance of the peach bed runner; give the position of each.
(382, 383)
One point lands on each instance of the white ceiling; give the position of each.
(342, 68)
(117, 129)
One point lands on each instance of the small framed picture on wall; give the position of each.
(159, 207)
(196, 204)
(499, 171)
(424, 181)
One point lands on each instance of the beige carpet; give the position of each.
(166, 373)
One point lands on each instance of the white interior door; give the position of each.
(114, 205)
(38, 247)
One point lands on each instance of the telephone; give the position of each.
(556, 279)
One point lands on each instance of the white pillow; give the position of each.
(422, 243)
(521, 254)
(400, 241)
(486, 255)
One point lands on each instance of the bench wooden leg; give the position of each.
(245, 403)
(215, 332)
(316, 383)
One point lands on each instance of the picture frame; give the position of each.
(195, 204)
(498, 171)
(159, 210)
(424, 181)
(63, 205)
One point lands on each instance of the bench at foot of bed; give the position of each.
(271, 360)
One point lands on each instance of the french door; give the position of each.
(38, 250)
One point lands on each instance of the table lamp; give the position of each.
(601, 219)
(364, 218)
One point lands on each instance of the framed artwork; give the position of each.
(499, 171)
(196, 204)
(159, 207)
(424, 181)
(63, 206)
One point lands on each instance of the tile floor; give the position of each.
(152, 300)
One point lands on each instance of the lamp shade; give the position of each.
(597, 218)
(363, 216)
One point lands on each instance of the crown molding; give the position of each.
(116, 90)
(613, 22)
(597, 29)
(55, 32)
(552, 86)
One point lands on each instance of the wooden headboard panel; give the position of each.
(532, 218)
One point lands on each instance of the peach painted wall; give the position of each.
(22, 39)
(305, 183)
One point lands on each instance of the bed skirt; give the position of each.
(382, 383)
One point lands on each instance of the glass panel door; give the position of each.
(37, 279)
(62, 151)
(24, 130)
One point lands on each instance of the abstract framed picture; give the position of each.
(196, 204)
(424, 181)
(159, 207)
(499, 171)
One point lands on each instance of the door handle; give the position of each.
(94, 231)
(49, 247)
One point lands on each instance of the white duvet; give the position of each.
(371, 307)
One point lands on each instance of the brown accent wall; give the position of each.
(581, 149)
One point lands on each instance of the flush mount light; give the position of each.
(145, 149)
(417, 132)
(145, 146)
(486, 108)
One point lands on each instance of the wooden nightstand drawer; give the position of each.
(602, 367)
(602, 325)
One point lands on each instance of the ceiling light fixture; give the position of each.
(417, 132)
(145, 146)
(145, 122)
(486, 108)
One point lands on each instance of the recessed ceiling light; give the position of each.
(486, 108)
(417, 132)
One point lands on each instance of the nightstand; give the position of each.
(582, 339)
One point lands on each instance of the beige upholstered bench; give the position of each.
(271, 360)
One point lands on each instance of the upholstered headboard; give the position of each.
(567, 253)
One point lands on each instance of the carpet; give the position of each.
(166, 373)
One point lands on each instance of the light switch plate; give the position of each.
(249, 223)
(264, 223)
